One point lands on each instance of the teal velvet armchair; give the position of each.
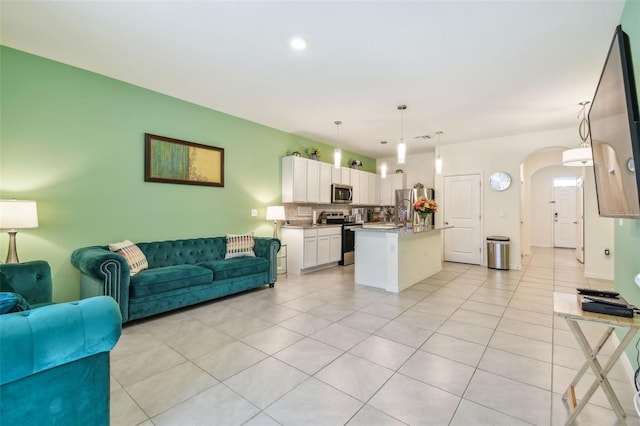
(54, 359)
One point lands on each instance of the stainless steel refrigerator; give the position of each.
(405, 199)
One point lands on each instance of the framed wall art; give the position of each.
(174, 161)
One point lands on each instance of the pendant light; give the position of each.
(438, 159)
(581, 156)
(337, 153)
(402, 146)
(383, 170)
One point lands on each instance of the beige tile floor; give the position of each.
(467, 346)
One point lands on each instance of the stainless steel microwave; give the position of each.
(341, 194)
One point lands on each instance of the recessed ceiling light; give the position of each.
(383, 142)
(298, 43)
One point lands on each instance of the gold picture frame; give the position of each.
(171, 160)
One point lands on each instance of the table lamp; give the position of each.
(275, 213)
(14, 215)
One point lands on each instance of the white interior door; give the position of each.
(580, 224)
(564, 217)
(461, 208)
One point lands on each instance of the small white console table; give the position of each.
(568, 306)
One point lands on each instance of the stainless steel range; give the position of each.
(349, 242)
(348, 223)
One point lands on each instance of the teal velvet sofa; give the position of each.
(54, 359)
(180, 273)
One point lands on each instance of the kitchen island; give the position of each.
(393, 258)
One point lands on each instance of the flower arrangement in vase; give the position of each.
(424, 208)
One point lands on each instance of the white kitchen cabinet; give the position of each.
(346, 175)
(388, 188)
(335, 247)
(306, 181)
(294, 179)
(313, 181)
(326, 174)
(354, 176)
(374, 189)
(336, 175)
(329, 245)
(312, 249)
(322, 250)
(364, 187)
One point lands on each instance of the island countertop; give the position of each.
(397, 229)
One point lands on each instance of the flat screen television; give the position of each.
(614, 125)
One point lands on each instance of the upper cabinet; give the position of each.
(309, 181)
(294, 179)
(326, 174)
(388, 188)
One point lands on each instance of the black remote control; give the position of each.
(598, 293)
(607, 301)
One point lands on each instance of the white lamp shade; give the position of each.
(275, 213)
(577, 157)
(18, 214)
(438, 166)
(383, 170)
(402, 152)
(337, 158)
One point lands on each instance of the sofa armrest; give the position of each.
(268, 248)
(103, 273)
(31, 280)
(46, 337)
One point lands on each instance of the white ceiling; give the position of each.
(472, 69)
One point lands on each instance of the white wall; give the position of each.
(420, 168)
(501, 210)
(536, 150)
(599, 234)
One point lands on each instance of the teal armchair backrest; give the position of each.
(31, 280)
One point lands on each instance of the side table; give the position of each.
(282, 261)
(568, 307)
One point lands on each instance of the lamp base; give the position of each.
(275, 229)
(12, 255)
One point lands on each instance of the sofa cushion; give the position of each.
(240, 246)
(132, 254)
(168, 278)
(236, 267)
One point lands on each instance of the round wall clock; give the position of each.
(499, 181)
(631, 166)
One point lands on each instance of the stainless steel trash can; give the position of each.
(498, 252)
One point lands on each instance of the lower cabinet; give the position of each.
(312, 249)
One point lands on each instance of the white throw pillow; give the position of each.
(240, 246)
(133, 255)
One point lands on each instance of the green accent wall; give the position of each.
(73, 141)
(627, 231)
